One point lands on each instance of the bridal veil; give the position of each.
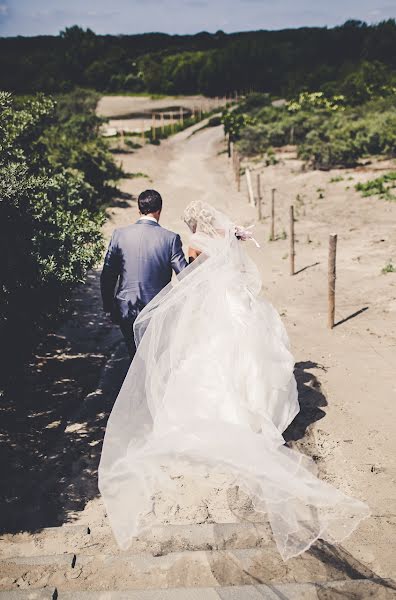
(212, 388)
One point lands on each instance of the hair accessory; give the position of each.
(245, 233)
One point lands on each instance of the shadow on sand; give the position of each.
(51, 455)
(307, 267)
(54, 418)
(352, 316)
(311, 400)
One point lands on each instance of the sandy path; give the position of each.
(346, 376)
(355, 363)
(118, 106)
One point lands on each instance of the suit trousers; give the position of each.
(126, 326)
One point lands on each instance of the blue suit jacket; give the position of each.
(138, 265)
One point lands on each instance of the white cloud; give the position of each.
(4, 10)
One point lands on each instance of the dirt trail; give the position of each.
(354, 363)
(345, 377)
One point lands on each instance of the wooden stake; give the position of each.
(172, 123)
(162, 123)
(249, 187)
(292, 248)
(272, 237)
(181, 116)
(238, 171)
(153, 127)
(260, 216)
(332, 279)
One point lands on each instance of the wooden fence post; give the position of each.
(172, 123)
(260, 216)
(181, 115)
(162, 123)
(292, 248)
(272, 236)
(332, 279)
(238, 170)
(249, 187)
(153, 126)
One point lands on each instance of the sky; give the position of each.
(35, 17)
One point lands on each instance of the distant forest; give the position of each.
(281, 63)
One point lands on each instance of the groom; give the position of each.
(138, 265)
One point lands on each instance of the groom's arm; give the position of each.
(110, 274)
(178, 260)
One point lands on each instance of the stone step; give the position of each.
(77, 539)
(72, 572)
(42, 594)
(353, 589)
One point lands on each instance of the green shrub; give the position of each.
(72, 140)
(327, 131)
(316, 100)
(381, 186)
(49, 234)
(389, 268)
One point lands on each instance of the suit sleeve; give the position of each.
(178, 259)
(110, 273)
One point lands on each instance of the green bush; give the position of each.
(328, 133)
(72, 139)
(347, 137)
(49, 234)
(381, 186)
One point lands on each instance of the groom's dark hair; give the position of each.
(149, 201)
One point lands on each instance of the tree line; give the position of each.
(283, 62)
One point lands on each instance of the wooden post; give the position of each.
(249, 187)
(272, 237)
(292, 248)
(162, 123)
(153, 127)
(238, 171)
(260, 216)
(181, 116)
(172, 123)
(142, 133)
(332, 279)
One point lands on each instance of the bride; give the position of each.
(211, 388)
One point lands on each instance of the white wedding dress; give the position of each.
(212, 386)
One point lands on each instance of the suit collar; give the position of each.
(147, 222)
